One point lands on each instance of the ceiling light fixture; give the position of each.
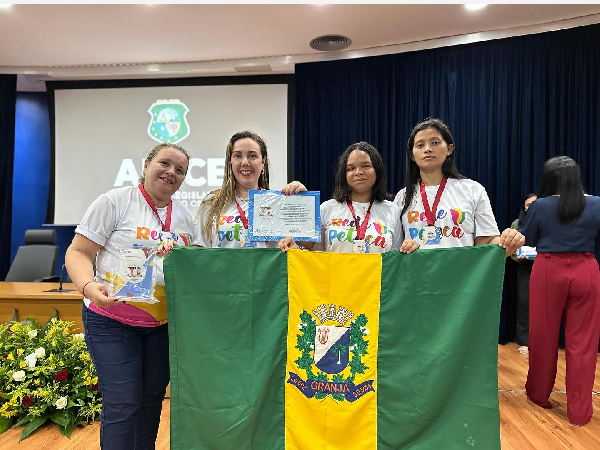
(475, 6)
(3, 6)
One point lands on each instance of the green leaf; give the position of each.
(5, 423)
(61, 417)
(13, 318)
(31, 323)
(33, 425)
(54, 314)
(5, 395)
(23, 421)
(68, 429)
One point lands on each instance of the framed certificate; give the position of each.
(273, 216)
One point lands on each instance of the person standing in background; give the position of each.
(564, 225)
(524, 266)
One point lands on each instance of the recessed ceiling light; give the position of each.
(475, 6)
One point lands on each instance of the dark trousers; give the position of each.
(569, 283)
(133, 373)
(523, 274)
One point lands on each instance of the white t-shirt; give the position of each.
(119, 219)
(338, 230)
(232, 233)
(464, 213)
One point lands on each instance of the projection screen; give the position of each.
(102, 135)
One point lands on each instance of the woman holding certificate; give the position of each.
(440, 207)
(359, 218)
(564, 225)
(222, 219)
(128, 342)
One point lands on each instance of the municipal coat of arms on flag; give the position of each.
(311, 350)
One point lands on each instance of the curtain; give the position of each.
(510, 104)
(8, 97)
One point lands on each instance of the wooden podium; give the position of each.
(32, 300)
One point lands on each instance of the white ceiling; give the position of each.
(42, 42)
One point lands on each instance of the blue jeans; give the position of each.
(133, 373)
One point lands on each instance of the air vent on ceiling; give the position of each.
(330, 43)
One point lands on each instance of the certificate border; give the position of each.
(253, 237)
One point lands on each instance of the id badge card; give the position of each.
(360, 246)
(244, 242)
(430, 235)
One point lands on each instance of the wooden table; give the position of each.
(32, 300)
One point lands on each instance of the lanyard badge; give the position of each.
(244, 242)
(167, 225)
(430, 234)
(359, 245)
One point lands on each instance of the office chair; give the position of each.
(36, 259)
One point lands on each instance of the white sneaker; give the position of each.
(523, 350)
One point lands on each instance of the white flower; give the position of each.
(32, 334)
(40, 352)
(61, 403)
(31, 359)
(19, 375)
(79, 336)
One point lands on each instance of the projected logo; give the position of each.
(168, 121)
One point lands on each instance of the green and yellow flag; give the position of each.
(327, 351)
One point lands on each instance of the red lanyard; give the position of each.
(430, 213)
(242, 215)
(362, 229)
(167, 226)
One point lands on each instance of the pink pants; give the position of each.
(569, 283)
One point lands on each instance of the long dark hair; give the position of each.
(522, 212)
(413, 174)
(342, 189)
(562, 177)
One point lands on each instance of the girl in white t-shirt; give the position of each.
(440, 207)
(359, 218)
(222, 219)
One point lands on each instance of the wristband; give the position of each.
(83, 290)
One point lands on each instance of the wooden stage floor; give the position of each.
(523, 426)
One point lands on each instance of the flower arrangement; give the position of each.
(46, 373)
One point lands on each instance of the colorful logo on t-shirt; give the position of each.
(349, 233)
(458, 216)
(232, 229)
(147, 234)
(380, 228)
(418, 221)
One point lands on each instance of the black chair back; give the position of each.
(37, 259)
